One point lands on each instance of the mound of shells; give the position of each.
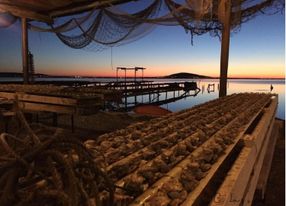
(52, 90)
(161, 161)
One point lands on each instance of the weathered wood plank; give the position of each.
(25, 52)
(196, 194)
(25, 13)
(265, 170)
(39, 98)
(27, 106)
(249, 193)
(256, 137)
(71, 10)
(232, 191)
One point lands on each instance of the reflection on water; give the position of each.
(210, 88)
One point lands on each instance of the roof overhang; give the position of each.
(47, 10)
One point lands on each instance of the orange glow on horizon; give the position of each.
(234, 71)
(112, 73)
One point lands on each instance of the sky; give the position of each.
(257, 50)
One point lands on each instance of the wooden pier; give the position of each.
(114, 95)
(136, 88)
(132, 90)
(159, 98)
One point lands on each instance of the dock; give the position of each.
(136, 88)
(114, 95)
(150, 92)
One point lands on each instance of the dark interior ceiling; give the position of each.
(46, 10)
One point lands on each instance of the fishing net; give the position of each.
(7, 19)
(113, 26)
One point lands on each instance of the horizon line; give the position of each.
(140, 77)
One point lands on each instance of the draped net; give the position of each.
(114, 26)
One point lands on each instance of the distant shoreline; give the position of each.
(19, 75)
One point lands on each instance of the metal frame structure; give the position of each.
(135, 69)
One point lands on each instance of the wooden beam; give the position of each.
(25, 51)
(30, 106)
(24, 13)
(79, 8)
(238, 186)
(267, 162)
(224, 55)
(39, 98)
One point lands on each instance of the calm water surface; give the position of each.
(234, 86)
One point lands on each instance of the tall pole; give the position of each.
(125, 81)
(25, 51)
(224, 55)
(117, 74)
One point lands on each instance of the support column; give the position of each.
(125, 81)
(25, 51)
(224, 55)
(116, 74)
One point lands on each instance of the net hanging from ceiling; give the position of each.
(112, 26)
(6, 20)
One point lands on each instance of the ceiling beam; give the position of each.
(82, 7)
(25, 13)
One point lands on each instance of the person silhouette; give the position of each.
(271, 88)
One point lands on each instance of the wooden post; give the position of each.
(125, 102)
(116, 74)
(25, 51)
(125, 80)
(224, 55)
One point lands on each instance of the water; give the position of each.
(234, 86)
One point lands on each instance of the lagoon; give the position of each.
(234, 86)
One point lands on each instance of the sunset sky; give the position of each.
(256, 51)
